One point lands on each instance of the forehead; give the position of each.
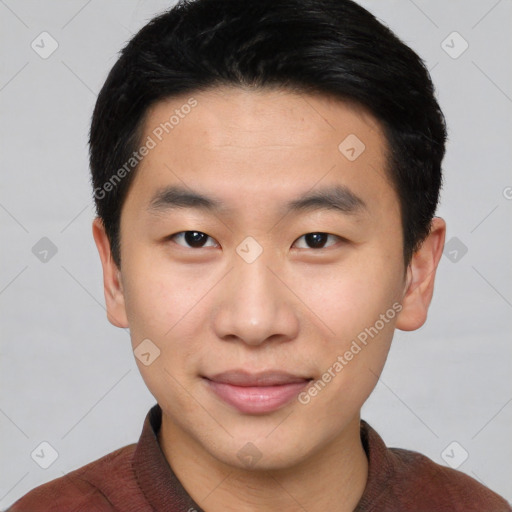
(272, 144)
(245, 117)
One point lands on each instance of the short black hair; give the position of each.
(330, 47)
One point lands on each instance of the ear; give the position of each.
(420, 278)
(112, 285)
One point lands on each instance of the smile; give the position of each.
(257, 393)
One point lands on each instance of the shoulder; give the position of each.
(86, 488)
(404, 480)
(422, 481)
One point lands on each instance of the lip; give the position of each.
(256, 393)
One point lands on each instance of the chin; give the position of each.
(261, 454)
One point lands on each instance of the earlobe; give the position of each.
(112, 284)
(419, 283)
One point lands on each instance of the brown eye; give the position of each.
(192, 239)
(316, 240)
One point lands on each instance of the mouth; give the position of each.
(256, 393)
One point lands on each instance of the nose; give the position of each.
(255, 305)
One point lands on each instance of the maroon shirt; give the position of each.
(137, 478)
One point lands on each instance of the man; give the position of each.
(266, 176)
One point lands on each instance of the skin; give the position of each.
(295, 308)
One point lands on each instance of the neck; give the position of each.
(333, 478)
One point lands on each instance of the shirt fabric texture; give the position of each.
(138, 478)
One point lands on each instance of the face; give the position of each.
(264, 309)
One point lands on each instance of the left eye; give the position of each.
(316, 240)
(197, 239)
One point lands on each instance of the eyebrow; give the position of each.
(335, 197)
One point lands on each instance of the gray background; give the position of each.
(69, 378)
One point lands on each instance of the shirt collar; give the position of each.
(164, 491)
(155, 477)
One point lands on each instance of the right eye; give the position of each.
(194, 239)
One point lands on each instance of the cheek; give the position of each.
(157, 296)
(163, 304)
(360, 304)
(160, 307)
(351, 296)
(351, 366)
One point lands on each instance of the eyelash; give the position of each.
(182, 233)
